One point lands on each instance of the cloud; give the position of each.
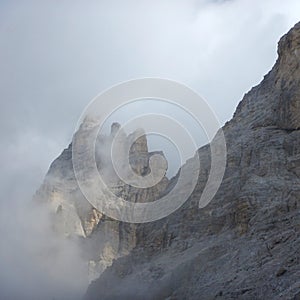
(57, 55)
(35, 263)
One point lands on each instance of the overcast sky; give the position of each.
(55, 56)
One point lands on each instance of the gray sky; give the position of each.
(56, 55)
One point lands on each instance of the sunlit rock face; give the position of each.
(102, 239)
(246, 243)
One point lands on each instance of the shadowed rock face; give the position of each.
(246, 243)
(275, 102)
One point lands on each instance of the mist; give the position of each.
(56, 56)
(36, 263)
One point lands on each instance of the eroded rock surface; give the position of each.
(102, 239)
(246, 243)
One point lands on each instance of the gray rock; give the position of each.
(246, 243)
(102, 238)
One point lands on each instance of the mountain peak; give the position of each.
(275, 102)
(289, 44)
(245, 243)
(287, 80)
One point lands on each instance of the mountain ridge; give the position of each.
(245, 244)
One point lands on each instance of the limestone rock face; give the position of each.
(246, 243)
(289, 80)
(275, 102)
(102, 238)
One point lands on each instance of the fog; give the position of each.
(56, 56)
(35, 262)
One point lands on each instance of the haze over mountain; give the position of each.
(55, 55)
(243, 245)
(246, 243)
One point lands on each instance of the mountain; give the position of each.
(100, 238)
(246, 243)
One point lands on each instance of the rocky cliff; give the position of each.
(246, 243)
(101, 238)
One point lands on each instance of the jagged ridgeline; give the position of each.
(244, 245)
(103, 239)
